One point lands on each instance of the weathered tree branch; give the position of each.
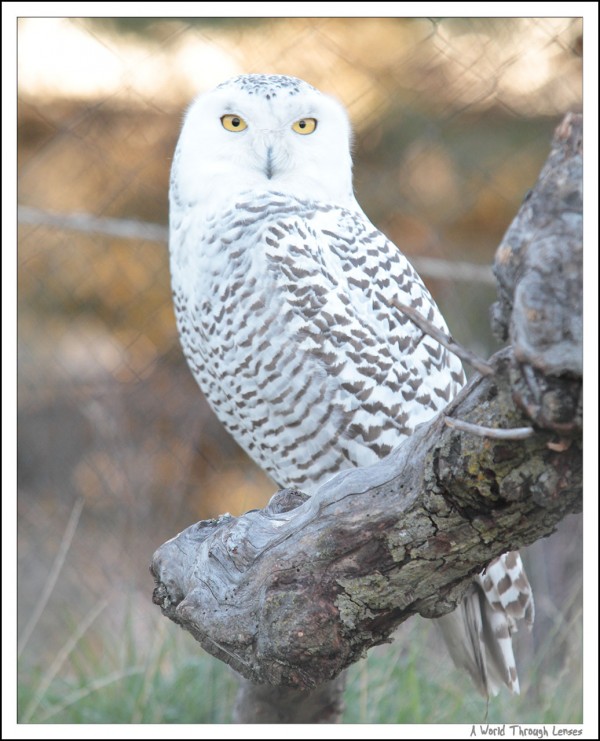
(294, 593)
(539, 269)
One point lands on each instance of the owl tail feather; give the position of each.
(479, 632)
(469, 636)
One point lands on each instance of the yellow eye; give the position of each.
(305, 126)
(231, 122)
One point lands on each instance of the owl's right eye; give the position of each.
(231, 122)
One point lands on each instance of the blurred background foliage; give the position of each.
(117, 450)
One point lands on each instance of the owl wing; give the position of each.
(338, 279)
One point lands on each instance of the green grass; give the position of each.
(104, 680)
(409, 684)
(174, 683)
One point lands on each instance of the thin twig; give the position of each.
(513, 433)
(446, 340)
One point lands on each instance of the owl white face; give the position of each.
(264, 133)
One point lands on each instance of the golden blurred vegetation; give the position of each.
(453, 120)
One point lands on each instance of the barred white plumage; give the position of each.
(284, 296)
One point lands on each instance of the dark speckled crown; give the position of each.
(268, 86)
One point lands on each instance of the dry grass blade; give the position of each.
(60, 659)
(59, 561)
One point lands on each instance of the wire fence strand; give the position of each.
(429, 267)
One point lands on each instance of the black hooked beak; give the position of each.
(269, 165)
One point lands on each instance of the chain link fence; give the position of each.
(453, 119)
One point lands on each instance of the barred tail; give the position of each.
(479, 632)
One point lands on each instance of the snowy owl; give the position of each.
(284, 297)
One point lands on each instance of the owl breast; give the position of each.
(286, 314)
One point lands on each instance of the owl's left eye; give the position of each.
(231, 122)
(305, 126)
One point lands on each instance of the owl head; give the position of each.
(263, 133)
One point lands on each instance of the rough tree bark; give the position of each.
(291, 595)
